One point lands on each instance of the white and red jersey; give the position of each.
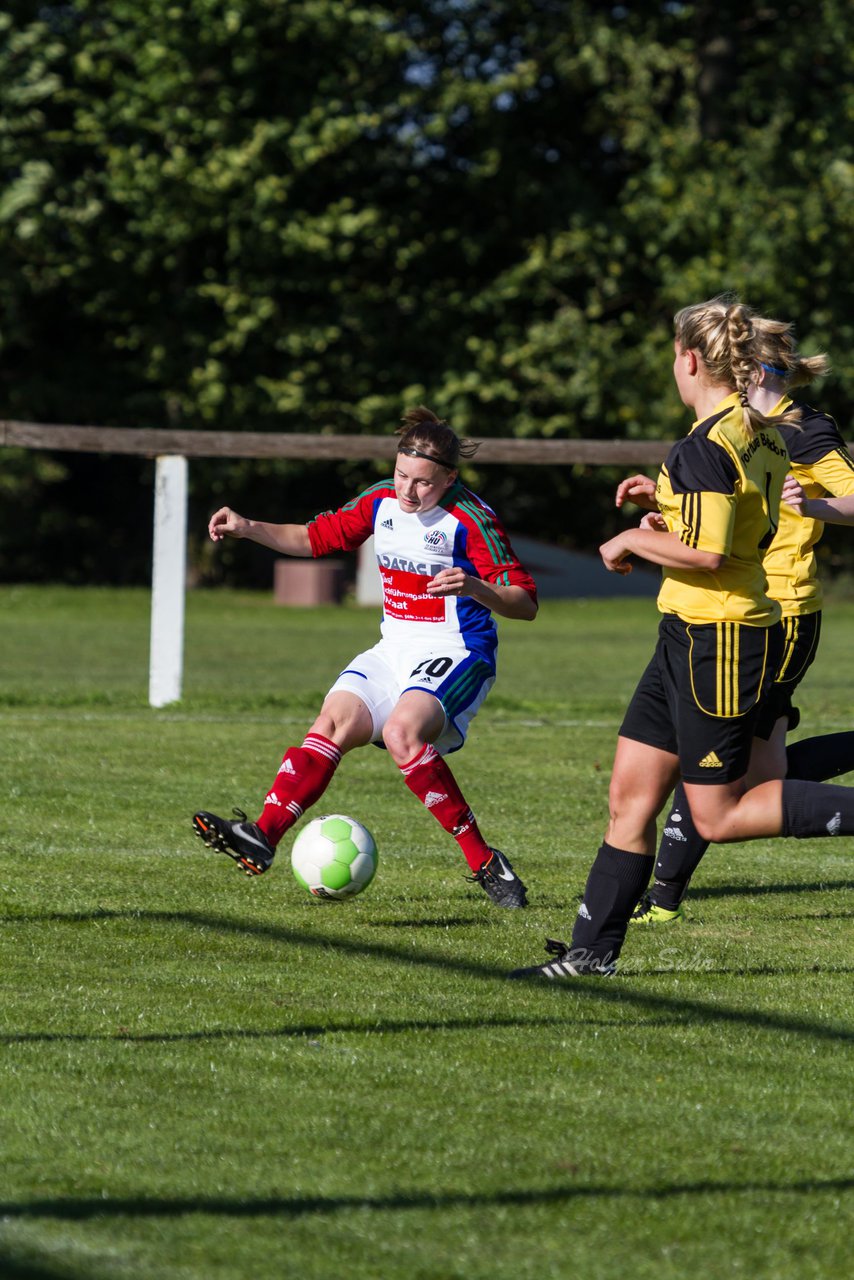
(411, 548)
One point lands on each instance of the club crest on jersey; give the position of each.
(436, 538)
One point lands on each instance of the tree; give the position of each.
(306, 216)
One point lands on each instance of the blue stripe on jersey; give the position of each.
(460, 688)
(375, 506)
(477, 625)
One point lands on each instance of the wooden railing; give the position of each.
(156, 442)
(172, 448)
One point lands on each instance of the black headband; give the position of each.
(412, 452)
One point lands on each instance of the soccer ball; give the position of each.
(334, 857)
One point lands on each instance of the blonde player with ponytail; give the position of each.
(694, 712)
(822, 485)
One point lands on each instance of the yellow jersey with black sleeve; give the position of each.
(822, 464)
(719, 490)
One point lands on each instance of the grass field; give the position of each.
(206, 1077)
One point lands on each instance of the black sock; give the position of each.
(817, 809)
(817, 759)
(679, 854)
(681, 849)
(614, 887)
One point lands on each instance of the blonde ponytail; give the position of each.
(723, 333)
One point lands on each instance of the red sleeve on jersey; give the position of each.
(488, 547)
(350, 526)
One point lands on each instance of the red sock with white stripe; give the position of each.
(429, 778)
(304, 775)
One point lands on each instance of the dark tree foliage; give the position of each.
(306, 216)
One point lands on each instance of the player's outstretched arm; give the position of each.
(289, 539)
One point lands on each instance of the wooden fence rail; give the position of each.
(157, 442)
(172, 449)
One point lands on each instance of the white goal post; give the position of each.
(168, 581)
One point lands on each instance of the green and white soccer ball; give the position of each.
(334, 857)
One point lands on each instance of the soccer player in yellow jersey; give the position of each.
(821, 466)
(694, 711)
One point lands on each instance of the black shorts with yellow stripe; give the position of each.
(801, 634)
(700, 696)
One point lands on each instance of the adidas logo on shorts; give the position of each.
(711, 761)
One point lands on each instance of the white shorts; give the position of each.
(459, 678)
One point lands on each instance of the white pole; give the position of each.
(168, 581)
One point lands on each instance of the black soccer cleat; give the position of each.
(566, 962)
(498, 879)
(242, 840)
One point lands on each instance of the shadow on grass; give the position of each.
(309, 1030)
(758, 890)
(814, 917)
(300, 1206)
(650, 970)
(590, 991)
(14, 1267)
(441, 922)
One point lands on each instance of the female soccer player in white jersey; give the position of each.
(447, 566)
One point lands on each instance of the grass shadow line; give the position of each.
(607, 991)
(82, 1208)
(13, 1266)
(309, 1030)
(711, 892)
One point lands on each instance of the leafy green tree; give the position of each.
(304, 216)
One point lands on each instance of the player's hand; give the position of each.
(654, 520)
(449, 582)
(637, 489)
(226, 523)
(794, 495)
(615, 555)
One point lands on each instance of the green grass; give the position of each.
(206, 1077)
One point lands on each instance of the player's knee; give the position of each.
(325, 724)
(628, 805)
(630, 825)
(711, 827)
(400, 741)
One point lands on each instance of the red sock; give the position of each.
(429, 778)
(304, 775)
